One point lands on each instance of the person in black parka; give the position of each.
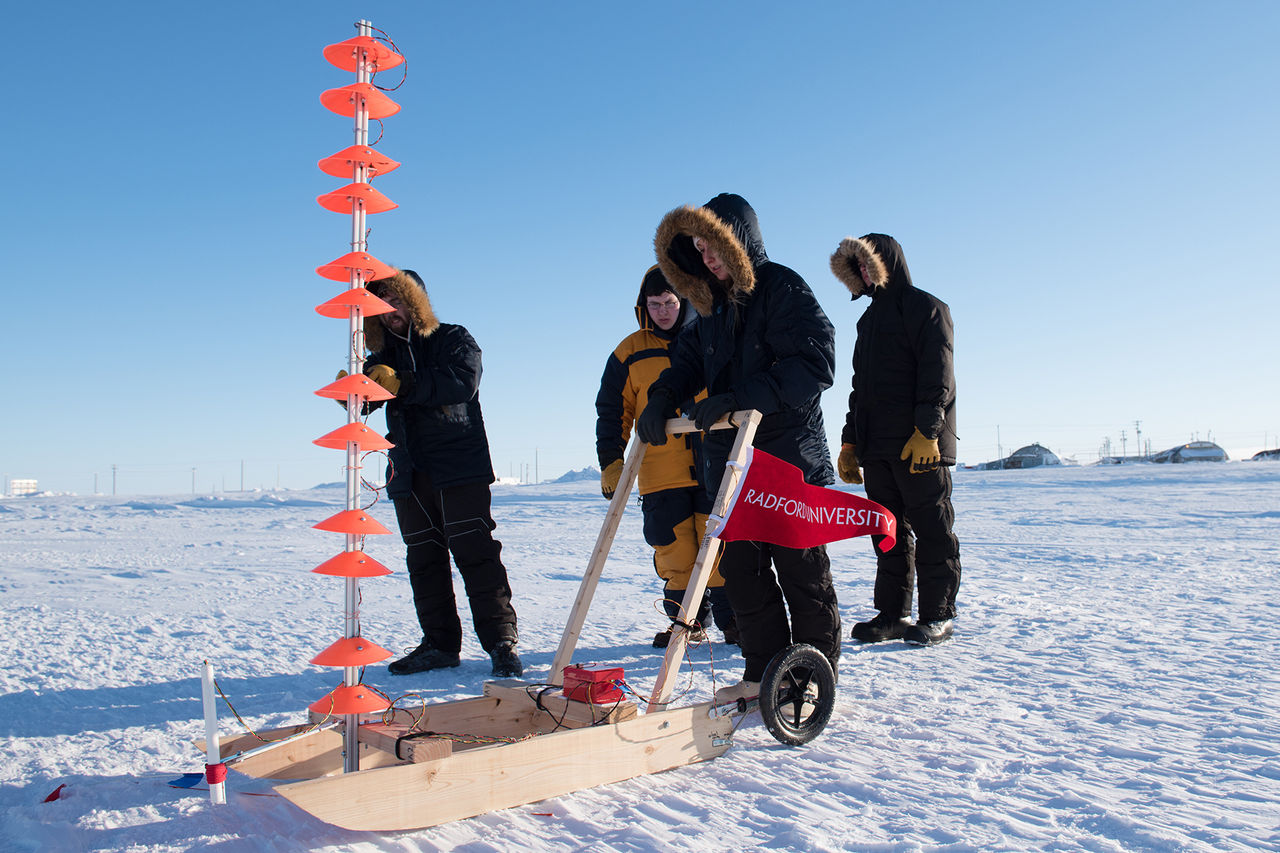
(439, 475)
(900, 437)
(761, 341)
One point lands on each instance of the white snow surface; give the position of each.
(1113, 683)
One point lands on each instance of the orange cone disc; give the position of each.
(339, 307)
(358, 434)
(352, 564)
(354, 521)
(343, 101)
(351, 651)
(344, 200)
(344, 700)
(342, 164)
(339, 269)
(358, 384)
(346, 54)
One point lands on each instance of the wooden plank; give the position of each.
(316, 754)
(411, 796)
(604, 541)
(387, 738)
(747, 422)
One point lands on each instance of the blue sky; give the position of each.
(1090, 187)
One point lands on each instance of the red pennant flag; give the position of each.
(773, 503)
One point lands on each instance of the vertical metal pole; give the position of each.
(355, 365)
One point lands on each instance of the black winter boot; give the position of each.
(506, 663)
(424, 657)
(880, 628)
(928, 633)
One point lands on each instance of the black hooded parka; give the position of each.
(761, 335)
(435, 422)
(903, 373)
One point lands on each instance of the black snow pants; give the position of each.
(435, 523)
(927, 553)
(763, 582)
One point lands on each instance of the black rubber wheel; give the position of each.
(797, 694)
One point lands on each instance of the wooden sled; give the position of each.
(523, 742)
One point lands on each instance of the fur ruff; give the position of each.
(700, 222)
(844, 264)
(415, 299)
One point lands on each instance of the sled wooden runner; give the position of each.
(518, 743)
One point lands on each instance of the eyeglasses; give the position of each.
(671, 305)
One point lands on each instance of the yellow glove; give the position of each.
(386, 377)
(609, 478)
(922, 452)
(847, 465)
(342, 374)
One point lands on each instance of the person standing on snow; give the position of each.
(673, 501)
(901, 433)
(761, 341)
(438, 476)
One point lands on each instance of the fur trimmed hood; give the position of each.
(408, 287)
(882, 256)
(729, 225)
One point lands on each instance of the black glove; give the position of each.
(651, 426)
(712, 409)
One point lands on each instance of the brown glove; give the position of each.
(847, 465)
(609, 478)
(922, 452)
(385, 376)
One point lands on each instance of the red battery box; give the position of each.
(593, 683)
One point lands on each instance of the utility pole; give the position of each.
(113, 479)
(1123, 445)
(1137, 428)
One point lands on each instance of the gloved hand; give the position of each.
(847, 466)
(651, 426)
(609, 478)
(712, 409)
(384, 376)
(922, 452)
(342, 374)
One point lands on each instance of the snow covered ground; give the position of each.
(1114, 683)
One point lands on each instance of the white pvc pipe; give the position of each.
(213, 751)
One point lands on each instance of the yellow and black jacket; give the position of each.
(624, 391)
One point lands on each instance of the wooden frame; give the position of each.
(519, 742)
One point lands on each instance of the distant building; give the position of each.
(1192, 451)
(1031, 456)
(1266, 456)
(18, 488)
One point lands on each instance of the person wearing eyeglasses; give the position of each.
(438, 477)
(761, 341)
(673, 501)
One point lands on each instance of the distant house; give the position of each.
(1266, 456)
(18, 488)
(1192, 451)
(1031, 456)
